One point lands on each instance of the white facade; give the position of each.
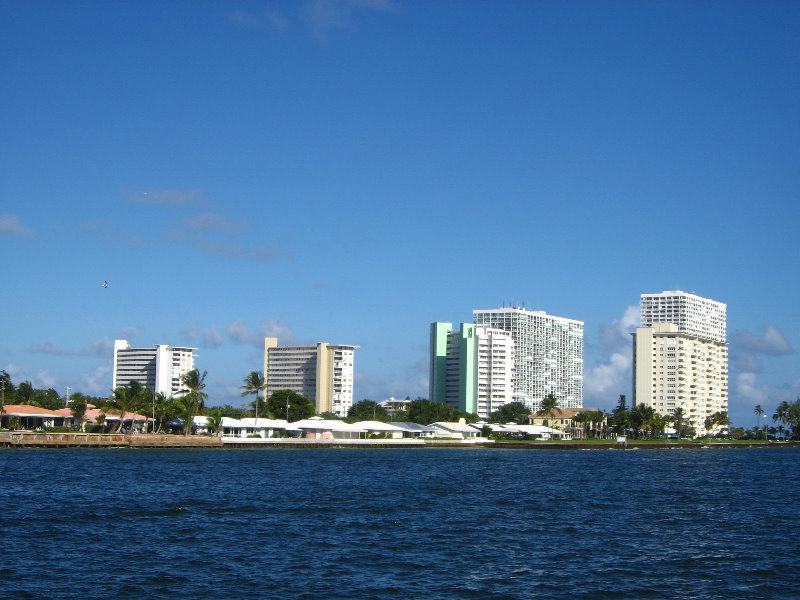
(548, 354)
(159, 368)
(677, 370)
(495, 370)
(322, 373)
(692, 314)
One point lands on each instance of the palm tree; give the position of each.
(253, 384)
(193, 399)
(121, 400)
(214, 422)
(677, 419)
(548, 406)
(758, 411)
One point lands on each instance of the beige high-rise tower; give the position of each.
(323, 373)
(680, 357)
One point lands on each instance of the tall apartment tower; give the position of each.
(471, 368)
(322, 373)
(159, 368)
(548, 355)
(680, 356)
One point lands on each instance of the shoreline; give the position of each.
(13, 439)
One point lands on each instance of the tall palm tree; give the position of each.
(253, 384)
(193, 399)
(758, 411)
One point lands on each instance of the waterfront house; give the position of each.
(458, 431)
(415, 430)
(564, 419)
(33, 417)
(251, 427)
(324, 429)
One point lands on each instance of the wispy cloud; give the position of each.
(212, 222)
(11, 225)
(167, 197)
(240, 334)
(272, 19)
(102, 347)
(207, 338)
(746, 346)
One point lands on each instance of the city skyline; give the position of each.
(354, 171)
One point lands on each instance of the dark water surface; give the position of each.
(404, 523)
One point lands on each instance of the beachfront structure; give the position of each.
(160, 368)
(323, 373)
(471, 368)
(673, 369)
(548, 354)
(701, 317)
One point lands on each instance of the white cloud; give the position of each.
(44, 380)
(11, 225)
(240, 334)
(605, 382)
(608, 380)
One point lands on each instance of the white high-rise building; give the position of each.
(548, 355)
(680, 356)
(159, 368)
(692, 314)
(322, 373)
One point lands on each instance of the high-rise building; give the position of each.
(692, 314)
(680, 356)
(159, 369)
(548, 355)
(323, 373)
(471, 368)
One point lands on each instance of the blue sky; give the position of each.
(350, 171)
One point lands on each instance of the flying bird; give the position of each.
(105, 284)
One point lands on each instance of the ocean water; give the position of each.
(399, 523)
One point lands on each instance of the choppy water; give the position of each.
(404, 523)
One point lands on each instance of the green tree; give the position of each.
(215, 421)
(77, 404)
(367, 410)
(621, 416)
(289, 405)
(513, 412)
(678, 417)
(548, 407)
(192, 401)
(758, 411)
(254, 384)
(120, 401)
(25, 393)
(425, 412)
(7, 390)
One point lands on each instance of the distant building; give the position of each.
(395, 405)
(548, 355)
(323, 373)
(680, 356)
(159, 368)
(471, 368)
